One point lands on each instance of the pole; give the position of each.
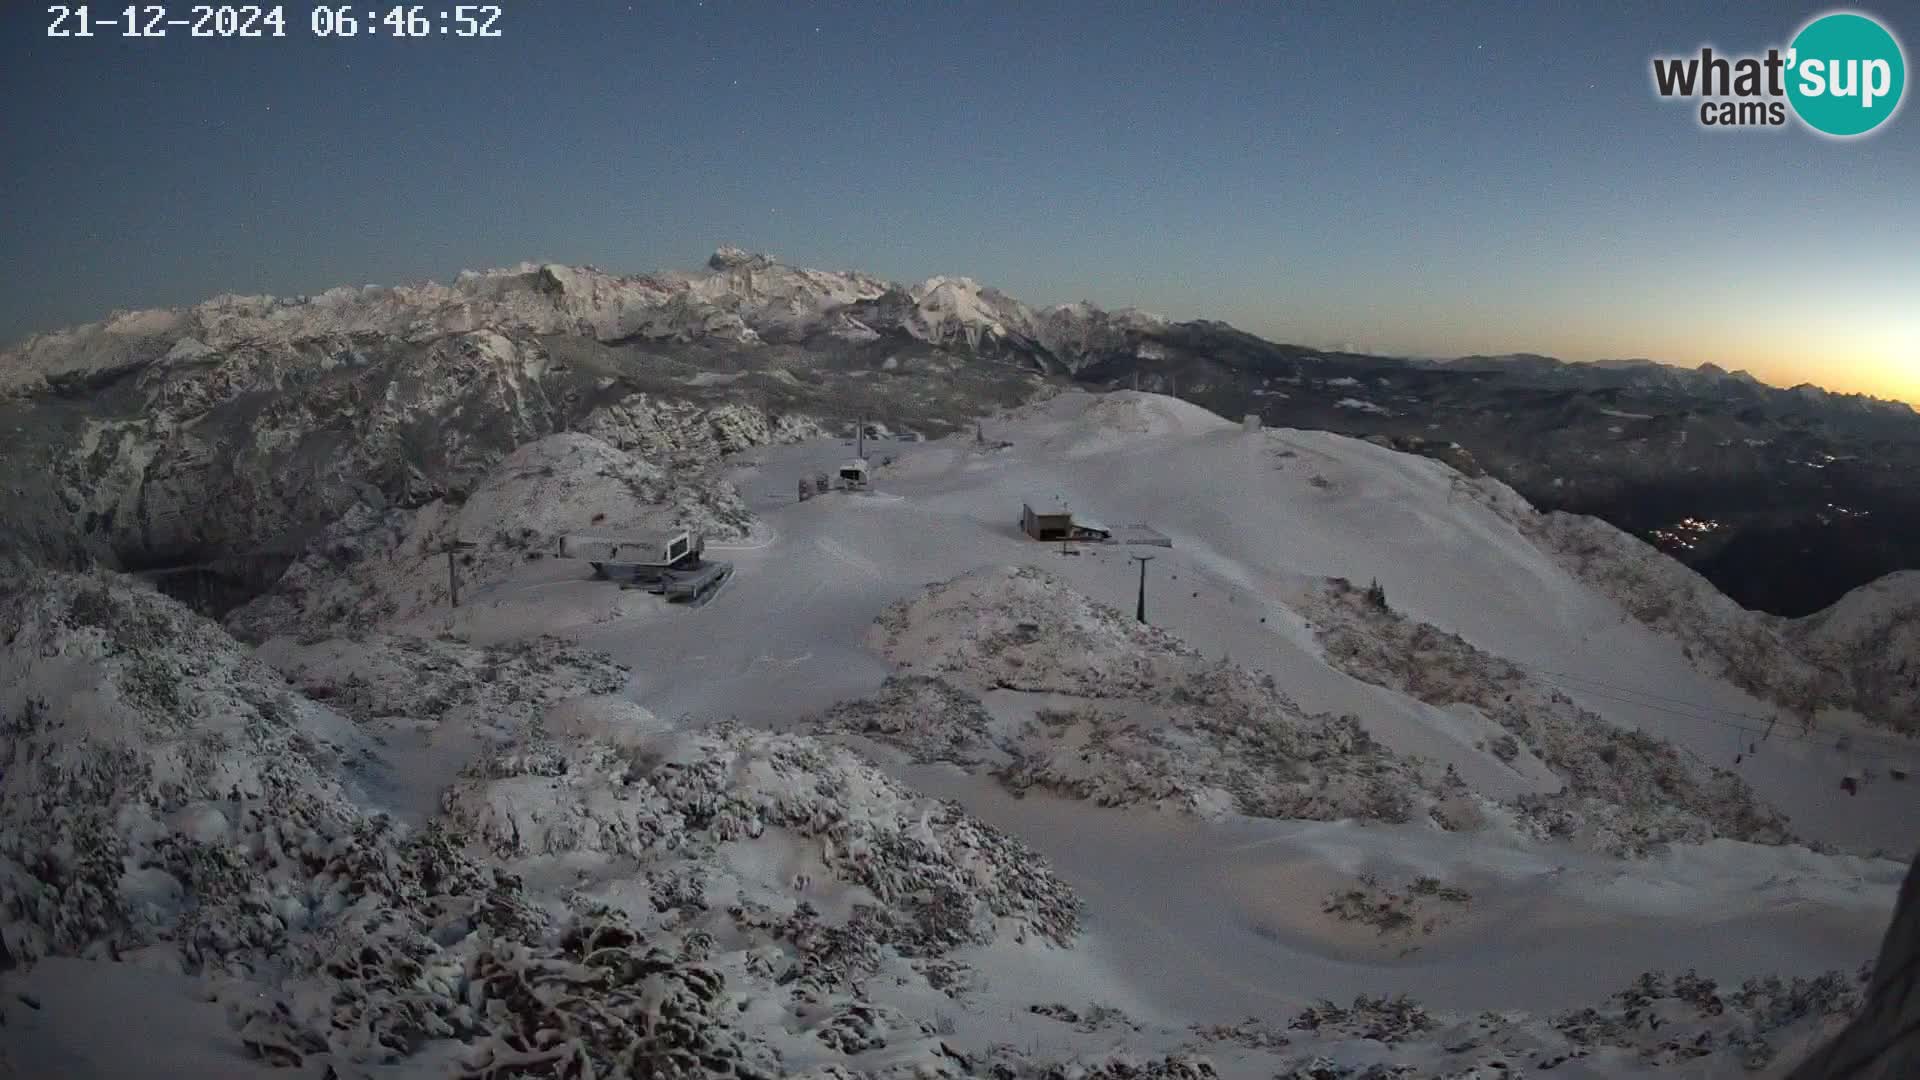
(453, 571)
(1140, 610)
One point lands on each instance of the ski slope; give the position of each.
(1254, 517)
(1197, 921)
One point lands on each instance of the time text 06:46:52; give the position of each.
(263, 21)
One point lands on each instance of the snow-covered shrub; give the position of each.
(142, 755)
(1387, 1020)
(423, 681)
(927, 716)
(937, 878)
(1665, 1020)
(605, 1003)
(1419, 905)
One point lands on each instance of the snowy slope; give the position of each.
(1257, 519)
(882, 883)
(1254, 517)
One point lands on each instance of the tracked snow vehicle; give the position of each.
(669, 563)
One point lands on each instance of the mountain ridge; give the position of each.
(617, 304)
(1801, 490)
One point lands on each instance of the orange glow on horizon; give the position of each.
(1857, 352)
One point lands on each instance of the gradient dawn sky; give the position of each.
(1420, 178)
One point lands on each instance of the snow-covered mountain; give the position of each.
(740, 298)
(913, 796)
(231, 435)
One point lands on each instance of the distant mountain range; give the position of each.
(243, 423)
(1658, 373)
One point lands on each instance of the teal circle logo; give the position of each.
(1845, 74)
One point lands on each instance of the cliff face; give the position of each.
(1883, 1042)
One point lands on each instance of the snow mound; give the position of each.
(1077, 424)
(573, 481)
(930, 718)
(686, 437)
(1022, 628)
(1746, 648)
(1097, 706)
(934, 879)
(140, 743)
(1871, 609)
(1661, 1022)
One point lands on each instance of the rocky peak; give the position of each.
(733, 258)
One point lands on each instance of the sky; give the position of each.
(1424, 179)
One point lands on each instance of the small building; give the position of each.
(1049, 519)
(1046, 519)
